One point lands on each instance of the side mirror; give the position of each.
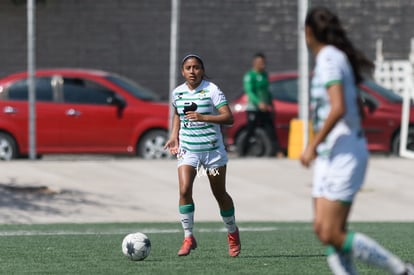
(117, 100)
(370, 104)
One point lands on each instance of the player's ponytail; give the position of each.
(327, 29)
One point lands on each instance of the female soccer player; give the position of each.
(200, 110)
(339, 145)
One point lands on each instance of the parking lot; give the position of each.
(118, 189)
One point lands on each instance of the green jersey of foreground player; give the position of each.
(339, 146)
(200, 110)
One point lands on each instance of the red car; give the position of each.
(82, 111)
(381, 124)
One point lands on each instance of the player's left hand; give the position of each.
(193, 116)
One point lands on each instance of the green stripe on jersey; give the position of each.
(201, 105)
(191, 99)
(199, 135)
(198, 128)
(332, 82)
(202, 91)
(199, 143)
(200, 150)
(221, 104)
(204, 113)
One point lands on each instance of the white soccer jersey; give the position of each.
(332, 66)
(205, 99)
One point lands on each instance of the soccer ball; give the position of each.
(136, 246)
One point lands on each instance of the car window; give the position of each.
(43, 89)
(133, 88)
(83, 91)
(387, 93)
(285, 90)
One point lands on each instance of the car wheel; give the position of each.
(151, 145)
(259, 144)
(8, 148)
(396, 142)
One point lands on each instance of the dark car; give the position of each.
(381, 124)
(82, 111)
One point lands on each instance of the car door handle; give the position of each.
(73, 112)
(9, 110)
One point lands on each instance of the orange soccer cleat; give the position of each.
(189, 244)
(234, 243)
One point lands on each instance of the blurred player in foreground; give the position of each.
(339, 147)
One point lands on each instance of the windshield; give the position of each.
(133, 88)
(387, 93)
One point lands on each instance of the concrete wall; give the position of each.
(133, 37)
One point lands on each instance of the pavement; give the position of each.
(78, 190)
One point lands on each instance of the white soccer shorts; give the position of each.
(339, 176)
(208, 160)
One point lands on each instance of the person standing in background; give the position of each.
(260, 110)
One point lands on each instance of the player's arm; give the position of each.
(224, 116)
(336, 98)
(172, 142)
(175, 127)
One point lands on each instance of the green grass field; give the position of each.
(267, 248)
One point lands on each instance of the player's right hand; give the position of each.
(308, 155)
(172, 146)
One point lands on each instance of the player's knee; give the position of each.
(317, 226)
(325, 237)
(325, 234)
